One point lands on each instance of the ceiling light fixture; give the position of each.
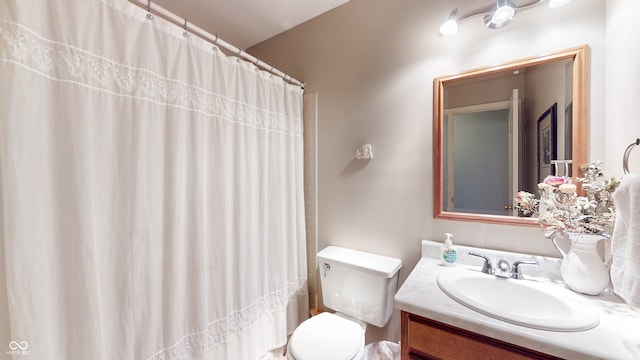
(450, 27)
(501, 15)
(496, 16)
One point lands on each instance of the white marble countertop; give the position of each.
(616, 337)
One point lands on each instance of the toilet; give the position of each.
(359, 287)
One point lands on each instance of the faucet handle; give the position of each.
(487, 267)
(515, 268)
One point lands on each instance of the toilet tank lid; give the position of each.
(372, 263)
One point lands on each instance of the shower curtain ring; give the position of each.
(149, 14)
(185, 33)
(215, 42)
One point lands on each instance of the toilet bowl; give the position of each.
(359, 286)
(327, 336)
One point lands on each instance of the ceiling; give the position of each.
(244, 23)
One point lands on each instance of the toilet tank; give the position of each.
(358, 284)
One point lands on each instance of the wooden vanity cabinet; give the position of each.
(428, 339)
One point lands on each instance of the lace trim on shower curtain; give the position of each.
(217, 332)
(65, 63)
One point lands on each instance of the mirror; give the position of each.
(501, 129)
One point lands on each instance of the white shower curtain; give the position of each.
(151, 189)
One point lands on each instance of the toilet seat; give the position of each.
(327, 336)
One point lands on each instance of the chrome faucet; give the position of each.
(502, 268)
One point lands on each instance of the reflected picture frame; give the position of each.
(547, 141)
(568, 135)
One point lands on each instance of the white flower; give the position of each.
(560, 208)
(567, 188)
(543, 186)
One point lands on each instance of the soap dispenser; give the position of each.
(449, 254)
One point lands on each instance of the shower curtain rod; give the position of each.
(167, 15)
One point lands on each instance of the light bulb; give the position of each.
(503, 14)
(450, 27)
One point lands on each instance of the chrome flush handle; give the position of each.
(325, 269)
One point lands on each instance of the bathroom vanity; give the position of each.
(434, 325)
(423, 338)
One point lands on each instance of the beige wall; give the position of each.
(372, 64)
(483, 92)
(621, 126)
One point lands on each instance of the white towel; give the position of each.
(625, 242)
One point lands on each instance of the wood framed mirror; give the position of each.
(501, 129)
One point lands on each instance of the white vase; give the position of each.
(582, 268)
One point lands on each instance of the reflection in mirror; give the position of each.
(502, 129)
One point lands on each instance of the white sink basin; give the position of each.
(522, 302)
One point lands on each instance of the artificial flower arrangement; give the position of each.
(560, 209)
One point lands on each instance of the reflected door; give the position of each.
(479, 150)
